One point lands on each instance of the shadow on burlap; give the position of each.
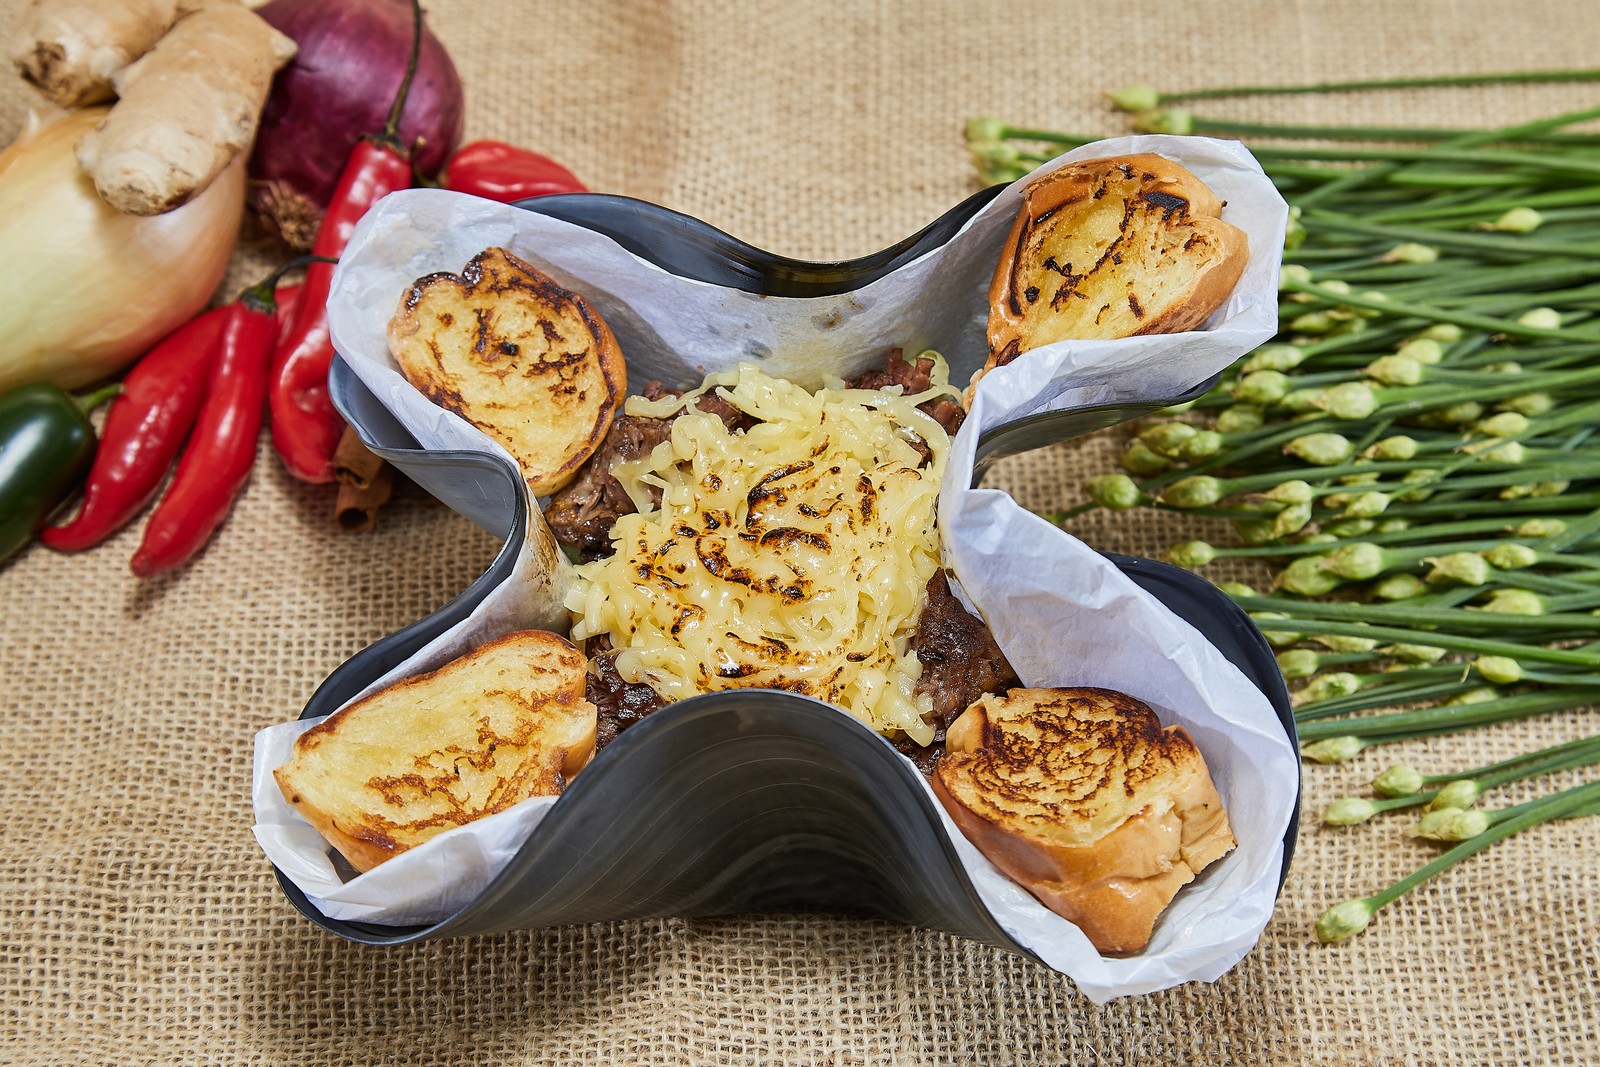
(141, 924)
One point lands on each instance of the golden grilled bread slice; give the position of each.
(526, 361)
(1083, 798)
(503, 723)
(1111, 248)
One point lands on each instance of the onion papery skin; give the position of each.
(85, 289)
(338, 88)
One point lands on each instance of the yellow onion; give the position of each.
(84, 288)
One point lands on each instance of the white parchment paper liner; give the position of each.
(1062, 613)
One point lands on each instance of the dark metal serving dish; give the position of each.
(745, 800)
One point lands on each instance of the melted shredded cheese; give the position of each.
(793, 555)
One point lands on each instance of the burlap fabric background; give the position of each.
(141, 925)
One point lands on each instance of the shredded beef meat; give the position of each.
(912, 378)
(582, 513)
(960, 663)
(620, 703)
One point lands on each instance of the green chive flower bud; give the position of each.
(1344, 643)
(1174, 120)
(1337, 286)
(1463, 568)
(1504, 424)
(1237, 588)
(1514, 602)
(1138, 458)
(1394, 370)
(1320, 449)
(1421, 654)
(1134, 98)
(1368, 505)
(992, 155)
(1191, 554)
(1461, 793)
(1343, 528)
(1255, 531)
(1329, 687)
(1423, 349)
(1393, 525)
(1411, 252)
(1501, 670)
(1319, 537)
(1544, 489)
(1357, 562)
(1115, 491)
(1347, 811)
(1240, 418)
(1517, 220)
(1497, 451)
(1333, 749)
(1446, 333)
(1277, 638)
(1294, 491)
(1349, 400)
(1529, 404)
(1298, 662)
(1481, 695)
(1541, 318)
(1398, 780)
(1302, 401)
(1262, 387)
(1314, 322)
(1452, 824)
(1278, 357)
(1509, 366)
(1293, 274)
(1399, 587)
(1291, 520)
(1510, 556)
(1165, 438)
(1344, 921)
(1203, 445)
(1294, 234)
(1540, 528)
(1306, 577)
(1453, 416)
(1195, 491)
(985, 129)
(1398, 446)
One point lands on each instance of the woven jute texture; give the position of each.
(141, 925)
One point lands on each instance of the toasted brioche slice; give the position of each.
(503, 723)
(1111, 248)
(524, 360)
(1083, 798)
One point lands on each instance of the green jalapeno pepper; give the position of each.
(46, 446)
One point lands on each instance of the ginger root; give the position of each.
(70, 49)
(186, 108)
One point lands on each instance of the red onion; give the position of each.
(339, 87)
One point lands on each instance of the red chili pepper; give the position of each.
(499, 171)
(306, 427)
(144, 428)
(288, 298)
(217, 461)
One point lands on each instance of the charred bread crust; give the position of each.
(1088, 802)
(527, 361)
(503, 723)
(1109, 248)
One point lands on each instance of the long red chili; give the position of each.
(305, 425)
(504, 172)
(288, 298)
(216, 464)
(144, 429)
